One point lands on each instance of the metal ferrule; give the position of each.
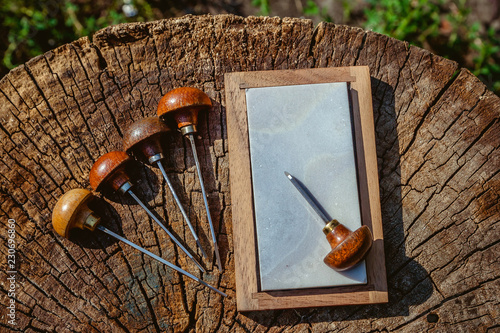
(330, 226)
(125, 187)
(155, 158)
(91, 222)
(188, 129)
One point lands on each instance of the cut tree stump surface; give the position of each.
(437, 136)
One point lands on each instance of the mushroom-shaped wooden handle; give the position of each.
(183, 104)
(109, 170)
(72, 211)
(348, 248)
(144, 136)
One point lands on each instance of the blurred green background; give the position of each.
(467, 31)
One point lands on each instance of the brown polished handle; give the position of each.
(72, 211)
(348, 248)
(143, 137)
(109, 170)
(183, 104)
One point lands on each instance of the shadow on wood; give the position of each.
(97, 239)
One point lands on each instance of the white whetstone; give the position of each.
(305, 130)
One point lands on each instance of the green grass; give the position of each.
(442, 26)
(34, 27)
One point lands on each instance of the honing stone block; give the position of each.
(307, 131)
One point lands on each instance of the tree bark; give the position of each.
(438, 153)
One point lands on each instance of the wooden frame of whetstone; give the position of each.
(248, 296)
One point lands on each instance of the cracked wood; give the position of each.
(438, 154)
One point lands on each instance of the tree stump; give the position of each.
(438, 157)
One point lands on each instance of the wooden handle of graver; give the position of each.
(110, 170)
(150, 147)
(183, 104)
(348, 248)
(144, 137)
(72, 211)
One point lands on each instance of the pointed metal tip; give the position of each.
(219, 263)
(199, 265)
(201, 248)
(288, 175)
(213, 288)
(217, 257)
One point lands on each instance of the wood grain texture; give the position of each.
(438, 153)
